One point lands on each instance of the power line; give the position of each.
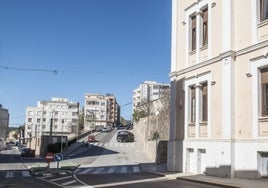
(28, 69)
(74, 71)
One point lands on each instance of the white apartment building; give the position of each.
(219, 85)
(59, 116)
(4, 121)
(100, 111)
(148, 91)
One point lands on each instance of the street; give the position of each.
(105, 163)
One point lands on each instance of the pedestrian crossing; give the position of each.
(15, 174)
(115, 144)
(108, 170)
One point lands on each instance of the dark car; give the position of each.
(125, 136)
(120, 127)
(27, 152)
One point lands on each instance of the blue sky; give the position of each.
(96, 46)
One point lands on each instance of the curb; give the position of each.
(208, 183)
(174, 176)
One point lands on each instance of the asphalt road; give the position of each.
(105, 163)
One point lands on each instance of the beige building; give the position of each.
(219, 88)
(100, 111)
(148, 91)
(56, 117)
(4, 121)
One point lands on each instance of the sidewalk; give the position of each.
(201, 178)
(149, 166)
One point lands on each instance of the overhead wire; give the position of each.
(54, 71)
(29, 69)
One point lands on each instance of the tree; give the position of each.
(81, 121)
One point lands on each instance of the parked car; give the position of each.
(125, 136)
(120, 127)
(91, 138)
(27, 152)
(106, 129)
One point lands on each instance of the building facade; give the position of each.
(4, 122)
(148, 91)
(56, 117)
(219, 85)
(100, 111)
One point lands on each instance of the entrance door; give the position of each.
(263, 163)
(201, 160)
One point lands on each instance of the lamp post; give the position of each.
(61, 146)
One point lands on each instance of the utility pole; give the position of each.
(51, 125)
(61, 148)
(78, 122)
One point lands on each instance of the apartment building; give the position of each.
(100, 111)
(56, 117)
(219, 85)
(148, 91)
(4, 122)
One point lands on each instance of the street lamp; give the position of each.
(62, 122)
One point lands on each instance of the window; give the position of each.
(38, 120)
(263, 10)
(30, 113)
(264, 91)
(193, 32)
(204, 102)
(193, 100)
(30, 119)
(204, 27)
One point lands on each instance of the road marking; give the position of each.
(62, 178)
(98, 171)
(69, 182)
(26, 173)
(10, 174)
(111, 170)
(130, 182)
(136, 169)
(123, 170)
(85, 171)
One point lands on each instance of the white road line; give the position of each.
(9, 174)
(136, 169)
(26, 173)
(85, 171)
(62, 178)
(69, 182)
(130, 182)
(123, 170)
(111, 170)
(98, 171)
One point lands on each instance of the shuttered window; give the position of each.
(193, 33)
(264, 85)
(193, 103)
(204, 27)
(204, 102)
(263, 10)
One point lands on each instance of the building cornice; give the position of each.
(232, 54)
